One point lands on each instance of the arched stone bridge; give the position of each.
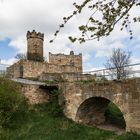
(87, 102)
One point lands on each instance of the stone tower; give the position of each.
(35, 46)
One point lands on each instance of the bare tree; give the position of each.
(20, 56)
(117, 64)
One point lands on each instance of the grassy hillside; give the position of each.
(45, 122)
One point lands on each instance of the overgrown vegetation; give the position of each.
(99, 79)
(32, 78)
(54, 109)
(45, 121)
(55, 80)
(115, 116)
(91, 81)
(12, 103)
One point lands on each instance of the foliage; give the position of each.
(90, 81)
(21, 56)
(55, 80)
(35, 57)
(110, 11)
(31, 56)
(117, 64)
(32, 78)
(101, 78)
(41, 126)
(115, 116)
(53, 107)
(51, 82)
(12, 103)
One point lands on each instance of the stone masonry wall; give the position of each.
(14, 70)
(61, 59)
(126, 95)
(35, 45)
(36, 68)
(61, 77)
(34, 94)
(33, 68)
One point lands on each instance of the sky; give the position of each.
(19, 16)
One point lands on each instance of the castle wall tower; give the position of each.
(35, 46)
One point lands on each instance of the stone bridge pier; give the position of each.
(86, 102)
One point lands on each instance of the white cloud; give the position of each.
(86, 57)
(19, 16)
(8, 61)
(135, 60)
(19, 43)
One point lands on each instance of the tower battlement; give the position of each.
(35, 34)
(35, 46)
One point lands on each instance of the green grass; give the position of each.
(46, 122)
(39, 124)
(42, 126)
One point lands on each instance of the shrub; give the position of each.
(12, 103)
(115, 116)
(54, 108)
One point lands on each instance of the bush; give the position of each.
(12, 103)
(115, 116)
(54, 109)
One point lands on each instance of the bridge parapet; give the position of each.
(66, 77)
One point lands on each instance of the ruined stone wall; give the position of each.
(33, 68)
(14, 70)
(34, 94)
(36, 68)
(29, 69)
(54, 68)
(71, 60)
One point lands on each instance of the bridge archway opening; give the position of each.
(48, 88)
(102, 113)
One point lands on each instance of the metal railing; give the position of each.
(3, 68)
(132, 71)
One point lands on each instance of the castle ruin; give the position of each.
(35, 66)
(83, 103)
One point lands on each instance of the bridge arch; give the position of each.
(93, 111)
(125, 95)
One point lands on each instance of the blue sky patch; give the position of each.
(6, 51)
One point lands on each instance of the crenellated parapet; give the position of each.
(35, 34)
